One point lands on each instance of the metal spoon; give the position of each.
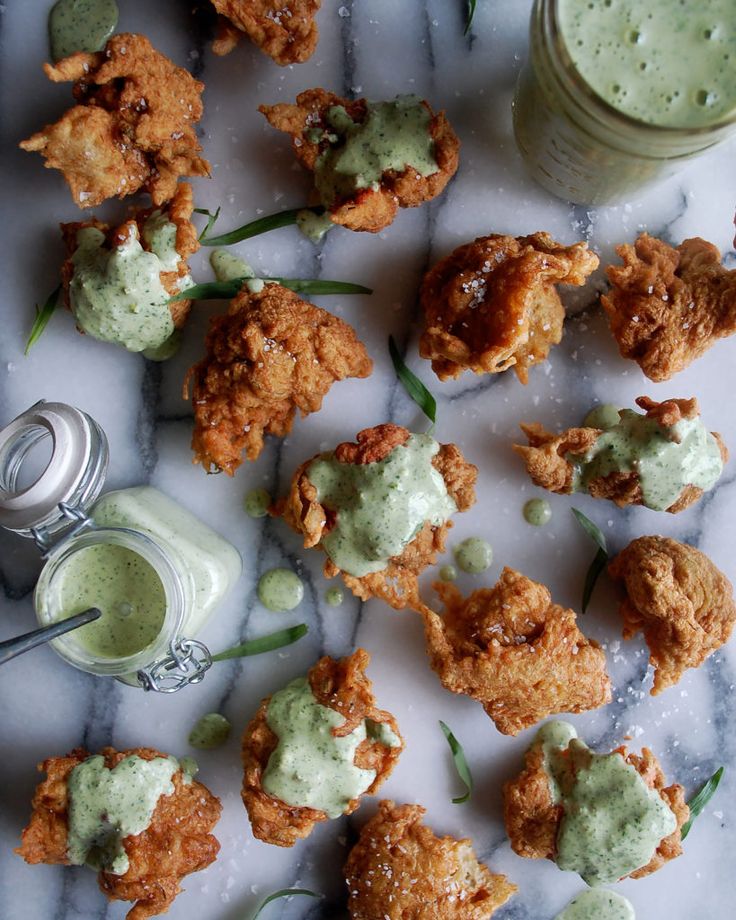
(16, 646)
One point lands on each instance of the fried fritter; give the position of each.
(397, 584)
(677, 597)
(284, 29)
(509, 647)
(340, 685)
(133, 126)
(533, 820)
(399, 870)
(178, 211)
(373, 207)
(493, 303)
(668, 306)
(177, 841)
(271, 354)
(551, 459)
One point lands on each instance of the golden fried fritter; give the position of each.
(133, 126)
(492, 304)
(668, 306)
(176, 842)
(533, 820)
(509, 647)
(178, 211)
(340, 685)
(397, 584)
(681, 602)
(549, 458)
(369, 209)
(284, 29)
(399, 870)
(271, 354)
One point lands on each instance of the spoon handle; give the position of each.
(19, 644)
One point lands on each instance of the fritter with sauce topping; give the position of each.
(132, 127)
(400, 870)
(677, 597)
(385, 515)
(285, 30)
(341, 711)
(493, 303)
(509, 647)
(271, 354)
(176, 842)
(664, 459)
(667, 305)
(369, 159)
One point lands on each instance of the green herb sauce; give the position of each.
(537, 512)
(209, 732)
(334, 596)
(105, 806)
(313, 226)
(598, 904)
(80, 25)
(257, 502)
(666, 459)
(392, 136)
(383, 733)
(612, 821)
(229, 267)
(380, 507)
(280, 590)
(310, 765)
(448, 573)
(167, 350)
(473, 555)
(603, 416)
(189, 769)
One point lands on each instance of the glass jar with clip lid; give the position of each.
(155, 571)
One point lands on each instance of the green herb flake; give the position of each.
(412, 384)
(42, 319)
(469, 13)
(254, 227)
(284, 893)
(701, 798)
(461, 764)
(226, 290)
(265, 643)
(600, 560)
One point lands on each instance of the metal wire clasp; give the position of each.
(74, 513)
(187, 663)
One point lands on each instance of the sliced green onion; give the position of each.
(42, 319)
(226, 290)
(211, 218)
(701, 798)
(469, 13)
(284, 893)
(255, 227)
(461, 764)
(264, 643)
(412, 384)
(600, 560)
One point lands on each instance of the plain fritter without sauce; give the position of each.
(270, 355)
(509, 647)
(343, 686)
(533, 819)
(132, 127)
(400, 870)
(550, 458)
(678, 599)
(667, 306)
(493, 304)
(178, 840)
(285, 30)
(397, 584)
(373, 207)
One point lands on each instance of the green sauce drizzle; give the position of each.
(80, 25)
(229, 267)
(448, 573)
(380, 506)
(598, 904)
(257, 502)
(313, 226)
(603, 416)
(473, 555)
(209, 732)
(334, 596)
(537, 512)
(280, 590)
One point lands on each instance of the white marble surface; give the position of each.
(377, 48)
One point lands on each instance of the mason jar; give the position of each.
(579, 146)
(154, 569)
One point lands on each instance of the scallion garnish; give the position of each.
(211, 218)
(254, 227)
(284, 893)
(264, 643)
(412, 384)
(599, 560)
(226, 290)
(461, 764)
(42, 319)
(469, 13)
(701, 798)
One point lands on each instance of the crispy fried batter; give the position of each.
(284, 29)
(397, 584)
(547, 462)
(177, 841)
(509, 647)
(271, 354)
(340, 685)
(492, 304)
(133, 126)
(681, 602)
(668, 306)
(368, 209)
(533, 820)
(399, 870)
(178, 211)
